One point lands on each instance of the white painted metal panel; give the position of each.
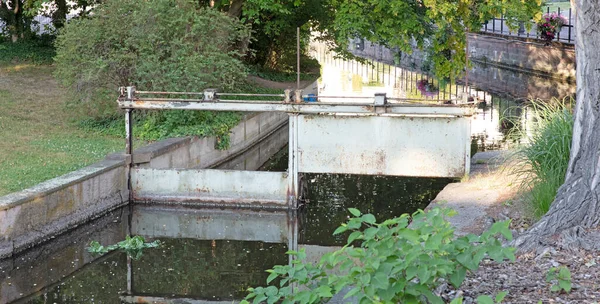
(268, 189)
(384, 145)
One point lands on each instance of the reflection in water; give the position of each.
(216, 270)
(499, 94)
(208, 254)
(329, 196)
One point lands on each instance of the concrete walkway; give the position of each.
(480, 199)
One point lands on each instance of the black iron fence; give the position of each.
(566, 34)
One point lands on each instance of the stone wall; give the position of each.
(519, 54)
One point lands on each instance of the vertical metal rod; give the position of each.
(494, 25)
(570, 25)
(501, 24)
(298, 56)
(467, 59)
(558, 34)
(293, 174)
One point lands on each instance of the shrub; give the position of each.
(161, 45)
(388, 262)
(544, 158)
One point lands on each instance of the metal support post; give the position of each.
(293, 175)
(210, 95)
(129, 140)
(298, 96)
(380, 102)
(288, 95)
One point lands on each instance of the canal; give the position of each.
(214, 255)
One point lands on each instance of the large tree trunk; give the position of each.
(576, 208)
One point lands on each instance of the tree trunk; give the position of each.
(235, 8)
(59, 17)
(576, 207)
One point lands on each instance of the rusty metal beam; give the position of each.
(303, 108)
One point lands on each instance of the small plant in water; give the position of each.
(132, 246)
(560, 278)
(400, 260)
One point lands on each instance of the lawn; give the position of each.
(38, 140)
(554, 6)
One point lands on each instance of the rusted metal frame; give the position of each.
(129, 93)
(308, 108)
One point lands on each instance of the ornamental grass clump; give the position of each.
(399, 260)
(543, 157)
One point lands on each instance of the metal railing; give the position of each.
(565, 35)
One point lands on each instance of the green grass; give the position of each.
(38, 142)
(289, 76)
(554, 6)
(40, 138)
(544, 159)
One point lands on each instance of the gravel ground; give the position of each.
(525, 279)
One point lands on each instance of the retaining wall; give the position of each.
(39, 213)
(519, 54)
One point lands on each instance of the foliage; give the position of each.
(163, 45)
(441, 25)
(544, 158)
(387, 262)
(549, 25)
(560, 278)
(282, 76)
(37, 50)
(132, 246)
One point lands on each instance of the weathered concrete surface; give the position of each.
(33, 270)
(55, 206)
(488, 186)
(259, 189)
(194, 152)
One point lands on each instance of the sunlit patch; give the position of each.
(18, 67)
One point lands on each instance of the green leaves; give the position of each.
(132, 246)
(559, 278)
(394, 263)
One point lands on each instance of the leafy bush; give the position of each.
(388, 262)
(162, 45)
(544, 158)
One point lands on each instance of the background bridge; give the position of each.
(331, 134)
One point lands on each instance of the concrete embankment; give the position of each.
(479, 199)
(46, 210)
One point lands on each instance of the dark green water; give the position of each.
(217, 264)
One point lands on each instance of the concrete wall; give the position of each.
(520, 54)
(194, 152)
(50, 208)
(36, 214)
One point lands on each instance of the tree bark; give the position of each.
(576, 208)
(59, 17)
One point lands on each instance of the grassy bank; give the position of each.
(37, 140)
(41, 139)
